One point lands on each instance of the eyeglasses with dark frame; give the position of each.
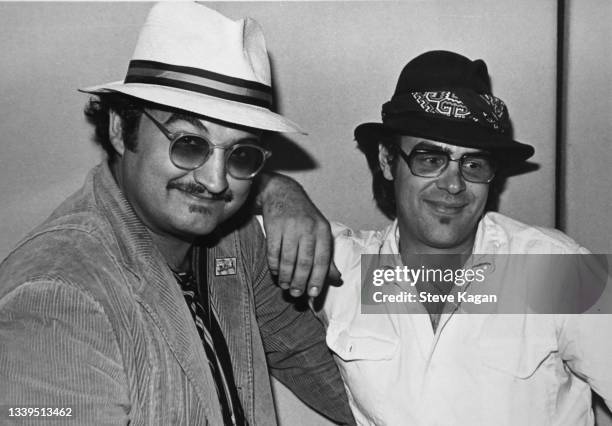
(189, 151)
(429, 163)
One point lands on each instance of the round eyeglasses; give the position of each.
(476, 168)
(188, 151)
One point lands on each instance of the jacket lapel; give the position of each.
(229, 297)
(158, 292)
(162, 298)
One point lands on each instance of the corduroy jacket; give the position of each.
(93, 321)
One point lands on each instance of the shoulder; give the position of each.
(76, 221)
(349, 244)
(342, 302)
(74, 247)
(520, 237)
(57, 274)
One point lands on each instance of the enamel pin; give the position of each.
(225, 266)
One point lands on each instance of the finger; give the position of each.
(273, 241)
(303, 264)
(322, 257)
(288, 254)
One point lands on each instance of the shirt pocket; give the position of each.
(368, 359)
(520, 372)
(511, 348)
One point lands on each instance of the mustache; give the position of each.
(200, 190)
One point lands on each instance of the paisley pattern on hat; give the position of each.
(445, 103)
(449, 104)
(498, 109)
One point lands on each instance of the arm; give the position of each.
(583, 342)
(57, 349)
(587, 352)
(299, 241)
(294, 342)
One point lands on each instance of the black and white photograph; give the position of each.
(296, 213)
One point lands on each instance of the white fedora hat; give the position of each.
(193, 58)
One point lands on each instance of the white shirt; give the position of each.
(476, 369)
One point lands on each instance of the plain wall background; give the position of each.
(589, 123)
(334, 65)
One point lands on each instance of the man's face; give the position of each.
(175, 202)
(435, 213)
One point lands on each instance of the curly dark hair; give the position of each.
(384, 191)
(97, 113)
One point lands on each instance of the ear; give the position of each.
(385, 160)
(115, 132)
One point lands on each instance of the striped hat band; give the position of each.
(200, 81)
